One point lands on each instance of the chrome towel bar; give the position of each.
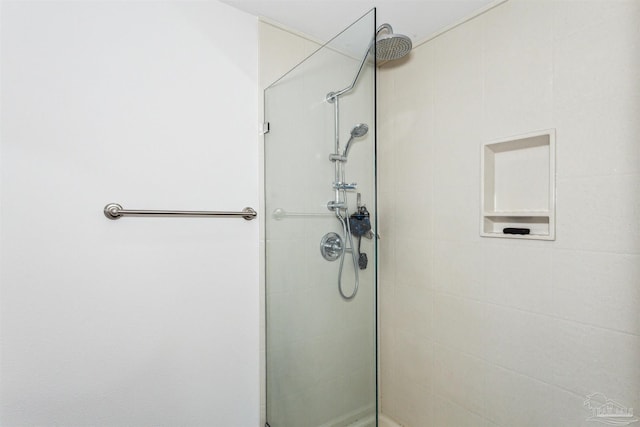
(115, 211)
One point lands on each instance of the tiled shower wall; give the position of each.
(495, 332)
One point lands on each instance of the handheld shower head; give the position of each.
(358, 130)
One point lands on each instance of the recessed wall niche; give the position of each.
(518, 187)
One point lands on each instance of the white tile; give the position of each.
(516, 400)
(600, 60)
(386, 334)
(447, 413)
(460, 379)
(413, 157)
(455, 216)
(360, 390)
(457, 269)
(282, 255)
(456, 189)
(283, 229)
(518, 68)
(459, 323)
(386, 257)
(518, 276)
(387, 377)
(598, 288)
(314, 406)
(386, 163)
(289, 372)
(591, 360)
(413, 122)
(385, 421)
(598, 136)
(386, 307)
(518, 93)
(414, 360)
(577, 16)
(520, 341)
(599, 213)
(495, 76)
(358, 348)
(293, 316)
(419, 407)
(414, 78)
(413, 214)
(569, 409)
(458, 83)
(458, 58)
(413, 311)
(570, 17)
(518, 24)
(394, 403)
(458, 123)
(320, 272)
(457, 165)
(414, 262)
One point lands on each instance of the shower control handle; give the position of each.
(345, 186)
(332, 206)
(331, 246)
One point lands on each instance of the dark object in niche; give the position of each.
(511, 230)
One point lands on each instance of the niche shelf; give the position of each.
(518, 186)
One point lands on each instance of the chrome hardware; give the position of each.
(266, 127)
(331, 97)
(332, 206)
(115, 211)
(331, 246)
(337, 158)
(343, 186)
(279, 214)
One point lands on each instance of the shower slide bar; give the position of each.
(115, 211)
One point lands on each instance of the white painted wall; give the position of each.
(495, 332)
(140, 321)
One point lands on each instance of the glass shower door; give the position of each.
(321, 307)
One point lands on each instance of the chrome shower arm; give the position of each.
(384, 27)
(332, 96)
(406, 47)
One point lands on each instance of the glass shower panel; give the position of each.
(321, 346)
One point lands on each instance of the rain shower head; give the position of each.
(358, 130)
(391, 46)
